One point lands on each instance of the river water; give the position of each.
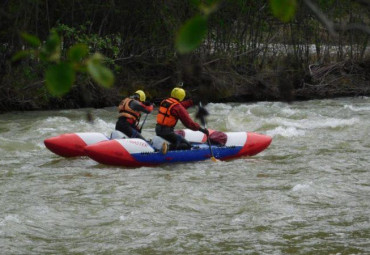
(308, 193)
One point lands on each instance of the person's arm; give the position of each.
(180, 112)
(187, 103)
(137, 106)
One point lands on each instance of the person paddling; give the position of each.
(170, 111)
(130, 110)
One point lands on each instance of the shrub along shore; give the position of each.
(210, 82)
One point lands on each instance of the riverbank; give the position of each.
(208, 82)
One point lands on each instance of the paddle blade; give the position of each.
(201, 114)
(214, 159)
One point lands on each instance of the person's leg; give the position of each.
(183, 144)
(171, 138)
(125, 127)
(136, 134)
(177, 142)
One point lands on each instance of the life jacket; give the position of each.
(164, 116)
(126, 111)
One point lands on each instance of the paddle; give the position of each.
(142, 124)
(201, 114)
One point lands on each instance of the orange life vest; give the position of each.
(164, 116)
(126, 111)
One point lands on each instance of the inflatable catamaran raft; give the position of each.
(133, 152)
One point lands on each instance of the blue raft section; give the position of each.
(197, 153)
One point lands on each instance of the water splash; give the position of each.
(286, 132)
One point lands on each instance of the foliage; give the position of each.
(162, 42)
(61, 72)
(108, 44)
(283, 9)
(191, 34)
(59, 78)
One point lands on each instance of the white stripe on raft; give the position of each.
(91, 138)
(233, 138)
(236, 138)
(135, 145)
(193, 136)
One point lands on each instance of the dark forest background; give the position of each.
(248, 54)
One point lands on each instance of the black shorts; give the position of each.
(127, 128)
(177, 141)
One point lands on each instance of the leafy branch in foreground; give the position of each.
(61, 71)
(193, 32)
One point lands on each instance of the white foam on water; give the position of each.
(52, 126)
(219, 109)
(100, 125)
(286, 132)
(57, 119)
(301, 187)
(218, 106)
(5, 139)
(63, 192)
(334, 123)
(289, 111)
(243, 108)
(357, 109)
(46, 130)
(10, 218)
(58, 125)
(236, 220)
(256, 110)
(8, 162)
(315, 124)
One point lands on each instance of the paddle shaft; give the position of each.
(202, 112)
(142, 125)
(209, 143)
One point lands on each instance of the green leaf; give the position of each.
(21, 54)
(283, 9)
(99, 72)
(77, 52)
(52, 48)
(59, 78)
(209, 7)
(191, 34)
(31, 39)
(53, 41)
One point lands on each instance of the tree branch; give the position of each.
(353, 26)
(321, 17)
(331, 26)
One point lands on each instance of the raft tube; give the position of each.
(136, 152)
(73, 144)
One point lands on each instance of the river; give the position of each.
(308, 193)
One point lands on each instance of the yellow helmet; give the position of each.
(178, 93)
(141, 94)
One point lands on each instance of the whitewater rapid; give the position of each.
(307, 193)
